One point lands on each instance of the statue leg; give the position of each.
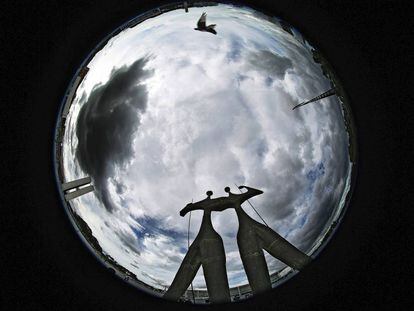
(281, 249)
(185, 275)
(214, 268)
(253, 259)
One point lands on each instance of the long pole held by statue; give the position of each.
(188, 247)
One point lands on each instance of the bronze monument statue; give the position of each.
(206, 250)
(252, 237)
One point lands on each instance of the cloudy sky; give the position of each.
(166, 113)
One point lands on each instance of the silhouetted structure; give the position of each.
(76, 188)
(201, 25)
(286, 27)
(323, 95)
(253, 237)
(69, 97)
(206, 250)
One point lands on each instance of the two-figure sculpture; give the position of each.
(207, 250)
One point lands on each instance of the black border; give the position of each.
(45, 266)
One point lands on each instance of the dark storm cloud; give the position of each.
(271, 63)
(106, 124)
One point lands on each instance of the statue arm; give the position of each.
(217, 205)
(251, 192)
(188, 208)
(201, 205)
(220, 204)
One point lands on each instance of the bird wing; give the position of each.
(212, 31)
(210, 28)
(202, 21)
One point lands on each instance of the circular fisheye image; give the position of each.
(205, 152)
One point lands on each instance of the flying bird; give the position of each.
(201, 25)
